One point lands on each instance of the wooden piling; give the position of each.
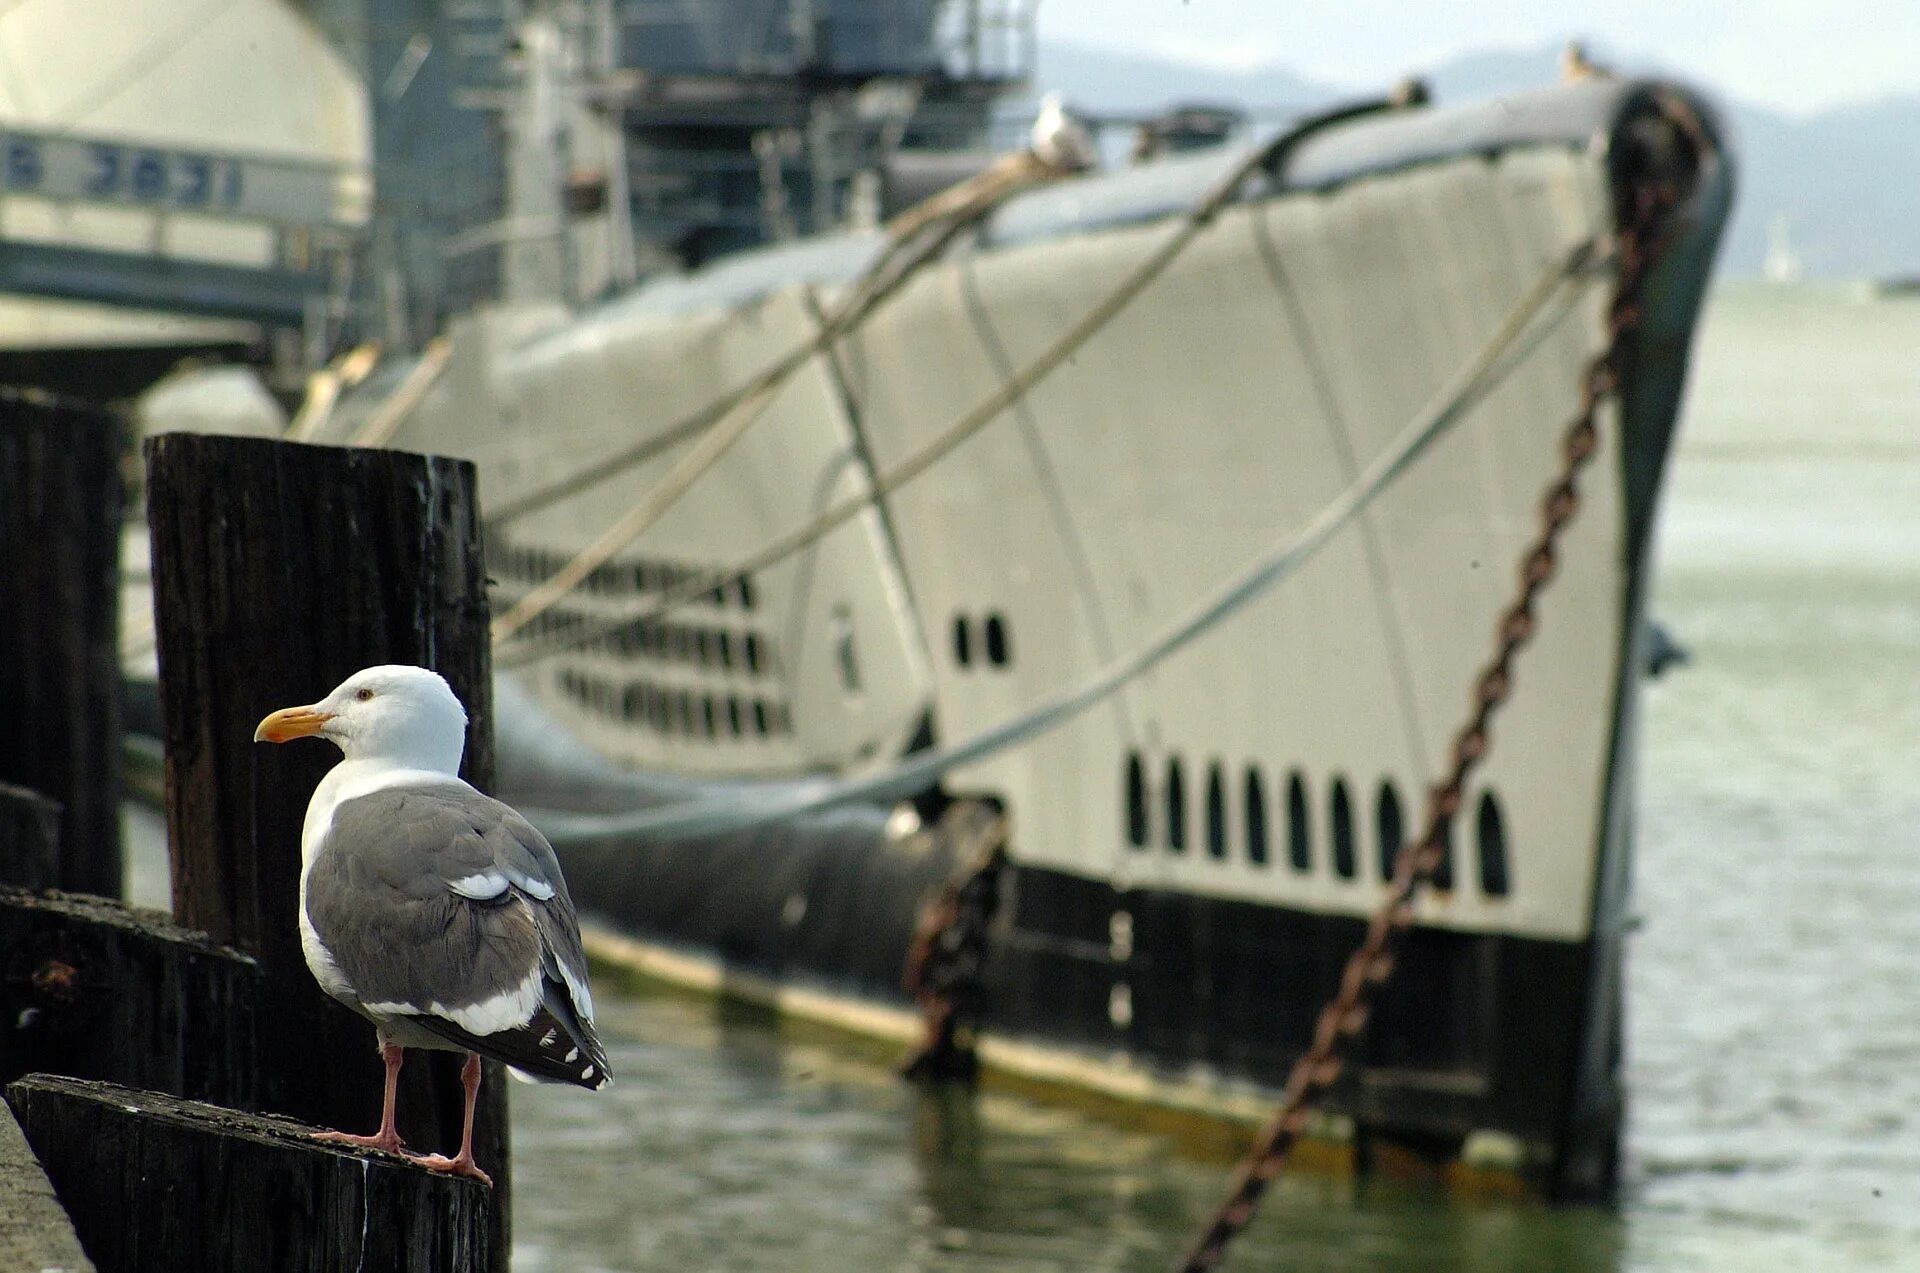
(60, 510)
(154, 1184)
(29, 838)
(279, 569)
(37, 1236)
(97, 990)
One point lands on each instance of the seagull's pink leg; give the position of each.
(463, 1164)
(386, 1138)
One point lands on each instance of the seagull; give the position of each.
(434, 911)
(1059, 140)
(1576, 65)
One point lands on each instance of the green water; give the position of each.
(1775, 1020)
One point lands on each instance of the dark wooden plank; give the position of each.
(60, 510)
(154, 1184)
(36, 1237)
(279, 569)
(98, 990)
(29, 838)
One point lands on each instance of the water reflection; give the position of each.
(729, 1145)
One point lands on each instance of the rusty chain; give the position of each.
(1341, 1022)
(947, 957)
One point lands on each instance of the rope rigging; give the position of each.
(1264, 158)
(920, 236)
(1479, 376)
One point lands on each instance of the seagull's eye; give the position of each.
(363, 696)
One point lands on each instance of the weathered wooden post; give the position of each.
(29, 838)
(37, 1234)
(60, 509)
(278, 570)
(154, 1184)
(91, 988)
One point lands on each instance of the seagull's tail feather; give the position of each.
(554, 1047)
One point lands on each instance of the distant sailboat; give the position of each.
(1783, 263)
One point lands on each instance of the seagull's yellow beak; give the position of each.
(289, 723)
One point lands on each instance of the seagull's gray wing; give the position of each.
(445, 906)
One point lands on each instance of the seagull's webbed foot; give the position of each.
(460, 1166)
(386, 1139)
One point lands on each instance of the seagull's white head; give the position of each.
(405, 716)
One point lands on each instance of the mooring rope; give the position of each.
(1197, 220)
(325, 386)
(890, 270)
(1483, 372)
(928, 234)
(378, 428)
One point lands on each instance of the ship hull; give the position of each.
(1191, 861)
(1470, 1055)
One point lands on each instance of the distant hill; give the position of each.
(1846, 182)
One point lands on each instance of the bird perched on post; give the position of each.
(1576, 65)
(1059, 140)
(434, 911)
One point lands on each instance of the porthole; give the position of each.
(709, 716)
(1340, 810)
(1136, 801)
(962, 641)
(760, 717)
(1176, 806)
(733, 715)
(1494, 879)
(1216, 813)
(846, 655)
(630, 702)
(1256, 797)
(999, 646)
(1299, 824)
(750, 647)
(683, 707)
(1388, 823)
(723, 646)
(743, 588)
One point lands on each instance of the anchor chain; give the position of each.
(947, 957)
(1645, 204)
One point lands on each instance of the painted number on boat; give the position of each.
(93, 170)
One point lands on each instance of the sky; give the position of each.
(1797, 56)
